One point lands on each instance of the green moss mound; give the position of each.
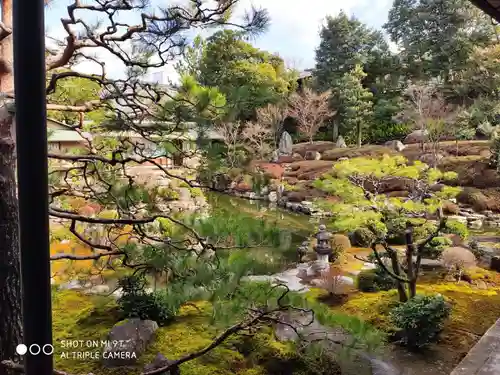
(474, 310)
(77, 316)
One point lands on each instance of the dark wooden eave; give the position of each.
(490, 7)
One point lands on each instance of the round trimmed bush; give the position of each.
(421, 319)
(375, 280)
(340, 243)
(366, 281)
(362, 237)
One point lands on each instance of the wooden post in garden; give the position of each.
(32, 172)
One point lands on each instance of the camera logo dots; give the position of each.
(21, 349)
(35, 349)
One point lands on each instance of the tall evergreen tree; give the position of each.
(436, 37)
(355, 102)
(345, 43)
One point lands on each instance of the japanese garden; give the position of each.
(249, 217)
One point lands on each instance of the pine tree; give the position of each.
(355, 102)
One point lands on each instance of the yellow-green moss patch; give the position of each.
(77, 316)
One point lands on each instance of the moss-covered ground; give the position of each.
(475, 307)
(77, 316)
(81, 317)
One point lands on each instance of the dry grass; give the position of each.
(351, 152)
(309, 169)
(321, 146)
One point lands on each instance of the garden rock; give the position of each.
(417, 136)
(430, 159)
(275, 156)
(429, 264)
(272, 197)
(312, 155)
(395, 145)
(285, 145)
(200, 201)
(72, 284)
(296, 196)
(128, 341)
(495, 263)
(289, 278)
(460, 219)
(99, 289)
(476, 224)
(340, 142)
(184, 194)
(456, 240)
(221, 182)
(159, 362)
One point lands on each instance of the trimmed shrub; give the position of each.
(168, 194)
(380, 132)
(476, 249)
(340, 243)
(458, 228)
(421, 319)
(375, 280)
(136, 303)
(366, 281)
(383, 280)
(362, 237)
(436, 246)
(495, 154)
(196, 192)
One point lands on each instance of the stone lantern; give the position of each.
(323, 247)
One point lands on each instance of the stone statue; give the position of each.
(340, 142)
(285, 145)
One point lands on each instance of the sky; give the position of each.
(293, 32)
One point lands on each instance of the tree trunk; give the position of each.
(10, 288)
(397, 271)
(411, 273)
(335, 130)
(10, 282)
(358, 131)
(6, 49)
